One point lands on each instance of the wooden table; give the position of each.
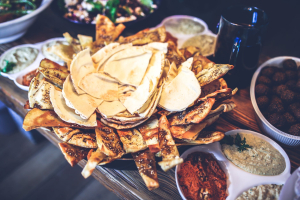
(127, 184)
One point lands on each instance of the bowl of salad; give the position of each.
(118, 11)
(16, 16)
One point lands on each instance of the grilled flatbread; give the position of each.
(94, 157)
(73, 154)
(145, 162)
(149, 131)
(108, 141)
(106, 31)
(207, 76)
(111, 108)
(85, 41)
(132, 140)
(203, 138)
(145, 37)
(37, 118)
(194, 114)
(78, 137)
(53, 72)
(38, 94)
(174, 55)
(169, 151)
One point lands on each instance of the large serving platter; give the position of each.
(17, 77)
(238, 180)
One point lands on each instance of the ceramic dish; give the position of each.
(16, 28)
(17, 77)
(288, 190)
(236, 177)
(268, 128)
(183, 37)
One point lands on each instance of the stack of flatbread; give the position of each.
(137, 95)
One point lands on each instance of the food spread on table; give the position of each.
(118, 11)
(201, 177)
(261, 192)
(11, 9)
(18, 59)
(277, 93)
(120, 95)
(253, 154)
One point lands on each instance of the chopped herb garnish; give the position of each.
(8, 66)
(238, 141)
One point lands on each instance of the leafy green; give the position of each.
(8, 66)
(238, 141)
(227, 140)
(147, 3)
(112, 6)
(97, 6)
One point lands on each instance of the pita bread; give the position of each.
(148, 86)
(65, 52)
(66, 113)
(111, 108)
(129, 66)
(132, 140)
(100, 54)
(188, 63)
(81, 65)
(100, 86)
(85, 41)
(163, 47)
(84, 104)
(181, 92)
(94, 158)
(109, 52)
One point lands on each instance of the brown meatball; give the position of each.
(282, 122)
(262, 89)
(287, 96)
(273, 118)
(290, 119)
(276, 106)
(280, 89)
(268, 71)
(264, 80)
(262, 102)
(296, 113)
(289, 64)
(291, 84)
(279, 78)
(295, 129)
(290, 75)
(294, 106)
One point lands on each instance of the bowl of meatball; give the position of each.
(275, 96)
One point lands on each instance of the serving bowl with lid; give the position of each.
(267, 127)
(16, 28)
(238, 180)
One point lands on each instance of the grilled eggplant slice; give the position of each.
(169, 151)
(77, 137)
(145, 162)
(73, 154)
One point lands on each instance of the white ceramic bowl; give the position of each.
(266, 127)
(238, 180)
(16, 28)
